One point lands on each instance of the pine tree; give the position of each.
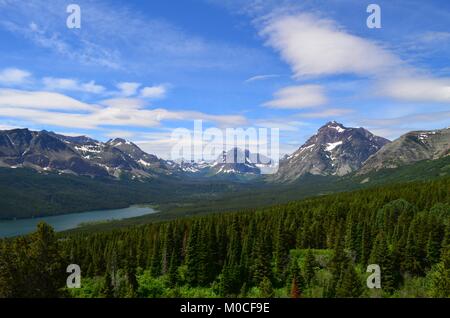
(192, 256)
(310, 264)
(411, 262)
(349, 285)
(173, 271)
(281, 251)
(261, 263)
(434, 246)
(107, 290)
(266, 288)
(440, 281)
(295, 277)
(46, 272)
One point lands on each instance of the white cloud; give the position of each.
(13, 76)
(7, 127)
(40, 100)
(69, 84)
(418, 89)
(326, 113)
(128, 88)
(158, 91)
(297, 97)
(63, 111)
(316, 46)
(124, 103)
(261, 77)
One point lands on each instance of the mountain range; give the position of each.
(335, 150)
(47, 151)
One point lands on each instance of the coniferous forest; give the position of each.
(318, 247)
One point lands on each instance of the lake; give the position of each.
(9, 228)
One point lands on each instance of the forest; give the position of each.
(317, 247)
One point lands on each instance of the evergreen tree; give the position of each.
(266, 288)
(192, 256)
(310, 264)
(173, 271)
(349, 285)
(107, 290)
(46, 271)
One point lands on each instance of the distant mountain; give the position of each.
(232, 162)
(238, 161)
(47, 151)
(333, 150)
(409, 148)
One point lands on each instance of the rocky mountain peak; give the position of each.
(334, 150)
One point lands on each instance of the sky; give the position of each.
(140, 69)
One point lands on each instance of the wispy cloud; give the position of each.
(10, 99)
(59, 110)
(12, 76)
(420, 89)
(314, 46)
(128, 88)
(158, 91)
(68, 84)
(118, 37)
(297, 97)
(261, 78)
(327, 113)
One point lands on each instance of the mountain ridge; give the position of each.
(48, 151)
(411, 147)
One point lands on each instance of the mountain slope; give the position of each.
(409, 148)
(333, 150)
(47, 151)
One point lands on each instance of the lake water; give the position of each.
(9, 228)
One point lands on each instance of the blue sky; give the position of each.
(139, 69)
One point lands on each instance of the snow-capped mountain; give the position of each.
(231, 162)
(333, 150)
(47, 151)
(238, 161)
